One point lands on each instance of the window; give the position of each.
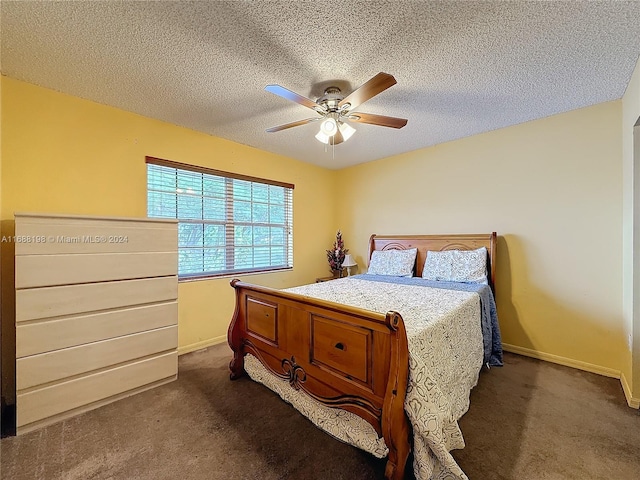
(227, 223)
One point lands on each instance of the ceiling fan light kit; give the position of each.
(340, 132)
(336, 110)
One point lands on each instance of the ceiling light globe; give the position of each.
(321, 137)
(329, 126)
(346, 130)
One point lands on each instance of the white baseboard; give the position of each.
(200, 345)
(580, 365)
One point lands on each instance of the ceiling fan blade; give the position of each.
(370, 89)
(382, 120)
(292, 124)
(294, 97)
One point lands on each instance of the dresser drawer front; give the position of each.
(57, 365)
(77, 392)
(343, 348)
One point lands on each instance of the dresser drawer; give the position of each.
(81, 392)
(57, 365)
(341, 347)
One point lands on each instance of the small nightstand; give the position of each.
(324, 279)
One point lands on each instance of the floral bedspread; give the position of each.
(445, 357)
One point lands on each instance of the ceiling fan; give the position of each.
(336, 110)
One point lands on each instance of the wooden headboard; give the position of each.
(425, 243)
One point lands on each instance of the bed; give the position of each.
(334, 348)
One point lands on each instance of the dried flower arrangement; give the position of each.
(335, 256)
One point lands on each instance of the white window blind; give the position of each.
(226, 223)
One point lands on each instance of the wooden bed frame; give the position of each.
(342, 356)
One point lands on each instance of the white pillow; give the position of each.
(467, 266)
(398, 263)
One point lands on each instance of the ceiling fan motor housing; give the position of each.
(331, 98)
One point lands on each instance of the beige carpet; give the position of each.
(529, 420)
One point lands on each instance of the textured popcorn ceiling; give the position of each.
(462, 67)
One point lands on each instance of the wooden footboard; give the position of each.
(341, 356)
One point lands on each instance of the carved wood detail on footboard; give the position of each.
(342, 356)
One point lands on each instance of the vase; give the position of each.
(337, 273)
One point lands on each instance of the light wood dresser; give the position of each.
(96, 312)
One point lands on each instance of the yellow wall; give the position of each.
(551, 189)
(62, 154)
(631, 229)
